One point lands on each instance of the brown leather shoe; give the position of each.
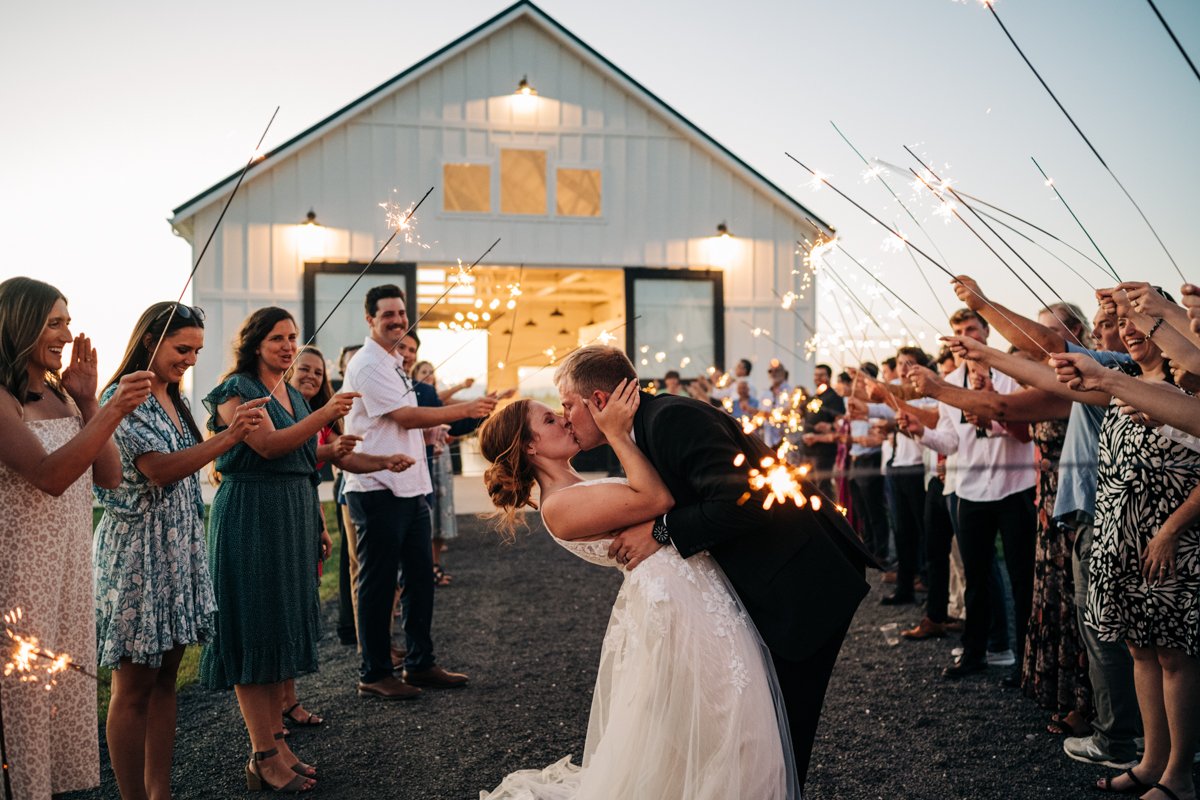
(953, 625)
(398, 656)
(389, 688)
(925, 629)
(436, 678)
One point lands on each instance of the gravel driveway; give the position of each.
(526, 621)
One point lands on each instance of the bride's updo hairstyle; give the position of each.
(504, 439)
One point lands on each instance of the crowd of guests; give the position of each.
(156, 577)
(1077, 445)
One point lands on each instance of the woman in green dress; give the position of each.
(262, 551)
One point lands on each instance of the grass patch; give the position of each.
(189, 667)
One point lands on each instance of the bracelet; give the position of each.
(1154, 328)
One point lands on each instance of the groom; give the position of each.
(799, 572)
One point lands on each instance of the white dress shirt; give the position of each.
(989, 467)
(379, 376)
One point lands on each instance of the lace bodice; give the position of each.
(594, 551)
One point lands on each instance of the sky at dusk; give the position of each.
(115, 113)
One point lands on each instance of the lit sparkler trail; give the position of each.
(255, 156)
(891, 230)
(1003, 241)
(991, 7)
(878, 169)
(399, 223)
(27, 652)
(1063, 200)
(879, 280)
(979, 201)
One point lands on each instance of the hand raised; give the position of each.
(344, 445)
(969, 292)
(1145, 299)
(132, 391)
(924, 381)
(908, 423)
(965, 347)
(1078, 371)
(481, 407)
(79, 379)
(616, 418)
(339, 405)
(1191, 301)
(248, 417)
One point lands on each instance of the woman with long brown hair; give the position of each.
(153, 593)
(263, 547)
(57, 442)
(686, 703)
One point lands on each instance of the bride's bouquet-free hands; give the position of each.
(616, 418)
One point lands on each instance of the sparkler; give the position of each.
(1002, 241)
(514, 291)
(255, 156)
(1063, 200)
(991, 7)
(876, 171)
(891, 230)
(399, 223)
(1171, 33)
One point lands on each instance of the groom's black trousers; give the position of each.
(803, 684)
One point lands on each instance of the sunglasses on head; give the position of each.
(183, 312)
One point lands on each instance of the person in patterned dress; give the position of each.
(57, 442)
(263, 546)
(153, 593)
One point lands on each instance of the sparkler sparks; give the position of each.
(31, 661)
(401, 220)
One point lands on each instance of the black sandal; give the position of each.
(1137, 785)
(440, 578)
(307, 722)
(1171, 795)
(300, 768)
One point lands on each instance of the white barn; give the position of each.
(606, 202)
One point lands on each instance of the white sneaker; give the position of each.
(1004, 658)
(1085, 749)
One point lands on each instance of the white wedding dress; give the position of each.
(686, 705)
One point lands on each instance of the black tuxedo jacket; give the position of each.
(799, 572)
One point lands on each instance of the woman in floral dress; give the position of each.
(152, 587)
(57, 441)
(1055, 669)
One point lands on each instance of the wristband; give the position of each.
(1154, 328)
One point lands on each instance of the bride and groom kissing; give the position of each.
(730, 616)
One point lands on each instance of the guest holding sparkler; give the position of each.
(57, 442)
(308, 377)
(1144, 588)
(153, 592)
(263, 544)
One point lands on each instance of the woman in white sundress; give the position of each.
(686, 704)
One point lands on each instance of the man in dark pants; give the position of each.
(798, 571)
(389, 508)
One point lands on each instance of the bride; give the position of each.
(686, 704)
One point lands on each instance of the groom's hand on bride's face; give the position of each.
(634, 544)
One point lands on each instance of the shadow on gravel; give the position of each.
(526, 622)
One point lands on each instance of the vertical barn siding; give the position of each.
(662, 197)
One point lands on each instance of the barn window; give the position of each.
(467, 187)
(522, 182)
(577, 192)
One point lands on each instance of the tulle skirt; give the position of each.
(686, 704)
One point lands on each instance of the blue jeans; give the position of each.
(394, 533)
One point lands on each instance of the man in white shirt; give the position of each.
(389, 508)
(995, 487)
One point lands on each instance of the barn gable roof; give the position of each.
(523, 9)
